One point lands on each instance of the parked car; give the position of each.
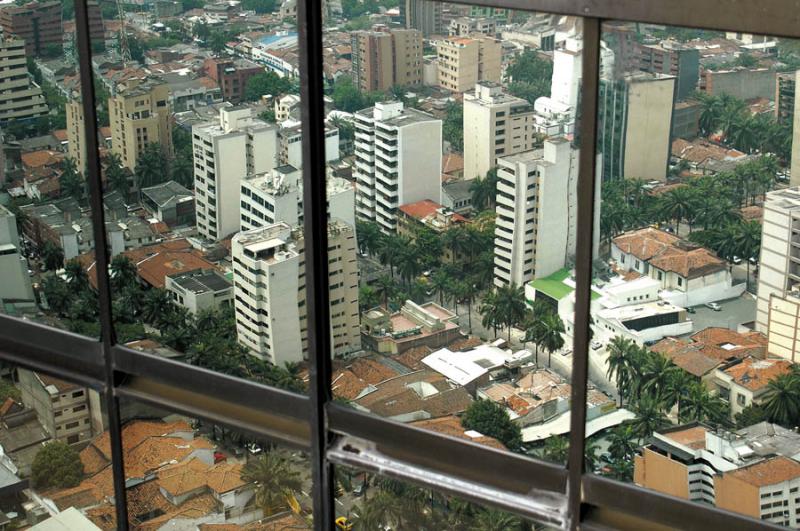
(714, 306)
(736, 260)
(754, 260)
(596, 345)
(566, 352)
(690, 310)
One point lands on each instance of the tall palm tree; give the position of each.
(52, 256)
(494, 520)
(386, 288)
(619, 363)
(677, 204)
(747, 242)
(276, 481)
(408, 265)
(389, 251)
(481, 193)
(511, 305)
(622, 441)
(556, 449)
(439, 282)
(150, 167)
(782, 399)
(77, 278)
(157, 304)
(659, 374)
(123, 272)
(369, 237)
(491, 313)
(699, 405)
(650, 417)
(551, 338)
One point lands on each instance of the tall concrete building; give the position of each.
(76, 142)
(139, 114)
(779, 264)
(225, 153)
(269, 280)
(496, 124)
(37, 23)
(464, 61)
(423, 15)
(795, 121)
(535, 228)
(674, 59)
(20, 97)
(635, 115)
(16, 283)
(398, 161)
(383, 59)
(785, 86)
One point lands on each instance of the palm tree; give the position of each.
(407, 261)
(123, 272)
(659, 375)
(711, 110)
(699, 405)
(276, 481)
(782, 399)
(439, 282)
(182, 171)
(650, 417)
(556, 449)
(622, 441)
(116, 175)
(369, 237)
(590, 449)
(619, 362)
(368, 297)
(535, 325)
(52, 256)
(70, 181)
(150, 168)
(747, 242)
(157, 304)
(677, 204)
(491, 313)
(511, 305)
(389, 251)
(551, 338)
(77, 278)
(386, 288)
(494, 520)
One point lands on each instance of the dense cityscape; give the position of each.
(451, 147)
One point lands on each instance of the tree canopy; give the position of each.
(492, 420)
(57, 464)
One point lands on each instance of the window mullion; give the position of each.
(101, 251)
(309, 21)
(583, 261)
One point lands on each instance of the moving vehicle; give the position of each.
(343, 523)
(690, 309)
(714, 306)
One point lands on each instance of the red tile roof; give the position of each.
(426, 208)
(667, 252)
(755, 374)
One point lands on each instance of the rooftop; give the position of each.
(755, 374)
(166, 193)
(768, 472)
(202, 281)
(667, 252)
(450, 425)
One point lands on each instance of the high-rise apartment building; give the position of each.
(37, 23)
(496, 124)
(271, 197)
(779, 264)
(224, 153)
(269, 280)
(383, 59)
(674, 59)
(464, 61)
(20, 97)
(635, 115)
(76, 145)
(16, 284)
(795, 162)
(784, 97)
(398, 160)
(423, 15)
(536, 212)
(783, 323)
(139, 114)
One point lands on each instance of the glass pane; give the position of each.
(465, 166)
(693, 320)
(47, 425)
(202, 163)
(181, 471)
(45, 218)
(369, 501)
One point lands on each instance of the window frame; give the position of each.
(565, 497)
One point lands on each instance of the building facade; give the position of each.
(269, 280)
(496, 124)
(139, 114)
(464, 61)
(384, 59)
(37, 23)
(423, 15)
(779, 264)
(225, 152)
(398, 160)
(20, 97)
(231, 75)
(783, 325)
(62, 407)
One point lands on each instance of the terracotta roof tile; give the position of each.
(347, 385)
(451, 425)
(467, 343)
(452, 162)
(371, 371)
(42, 157)
(768, 472)
(183, 478)
(667, 252)
(412, 358)
(755, 374)
(426, 392)
(691, 436)
(225, 477)
(60, 385)
(426, 208)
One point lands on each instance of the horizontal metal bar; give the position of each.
(447, 455)
(37, 346)
(236, 392)
(780, 18)
(615, 497)
(543, 506)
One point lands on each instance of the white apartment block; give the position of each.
(536, 213)
(291, 146)
(277, 196)
(269, 287)
(783, 325)
(496, 124)
(398, 161)
(224, 153)
(20, 97)
(779, 265)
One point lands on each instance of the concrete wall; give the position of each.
(647, 137)
(735, 495)
(742, 84)
(660, 473)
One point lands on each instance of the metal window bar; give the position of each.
(273, 413)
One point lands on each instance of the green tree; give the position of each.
(529, 76)
(492, 420)
(556, 449)
(56, 465)
(551, 338)
(750, 415)
(259, 6)
(70, 181)
(76, 276)
(150, 166)
(52, 256)
(8, 390)
(276, 481)
(510, 300)
(116, 176)
(494, 520)
(782, 400)
(57, 294)
(123, 273)
(650, 417)
(453, 125)
(266, 83)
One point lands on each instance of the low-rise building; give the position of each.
(783, 323)
(464, 61)
(62, 408)
(200, 290)
(456, 196)
(413, 326)
(745, 382)
(169, 202)
(689, 275)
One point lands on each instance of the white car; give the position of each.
(714, 306)
(596, 345)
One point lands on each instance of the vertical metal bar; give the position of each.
(101, 252)
(583, 262)
(309, 21)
